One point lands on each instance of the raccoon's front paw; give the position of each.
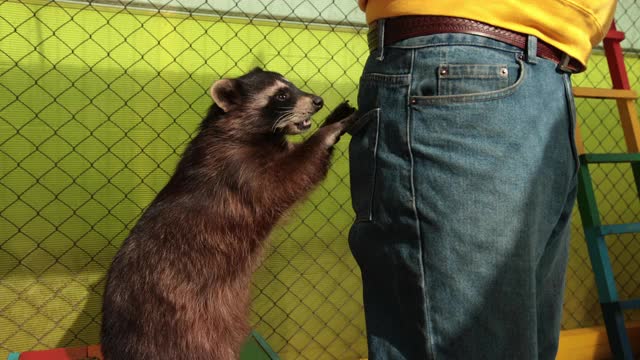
(332, 132)
(337, 123)
(341, 112)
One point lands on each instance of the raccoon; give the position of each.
(178, 288)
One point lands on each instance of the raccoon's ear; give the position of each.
(225, 93)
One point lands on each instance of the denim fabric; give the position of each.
(463, 178)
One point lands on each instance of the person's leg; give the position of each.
(462, 174)
(384, 238)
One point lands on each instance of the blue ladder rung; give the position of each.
(619, 229)
(630, 304)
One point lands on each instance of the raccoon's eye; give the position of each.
(282, 96)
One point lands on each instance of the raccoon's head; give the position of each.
(266, 102)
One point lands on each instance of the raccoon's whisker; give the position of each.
(283, 119)
(278, 121)
(284, 114)
(292, 117)
(282, 124)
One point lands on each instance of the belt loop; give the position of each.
(563, 65)
(532, 49)
(380, 31)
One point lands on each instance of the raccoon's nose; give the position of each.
(317, 102)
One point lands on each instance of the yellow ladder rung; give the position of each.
(597, 93)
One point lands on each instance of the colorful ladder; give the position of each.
(594, 231)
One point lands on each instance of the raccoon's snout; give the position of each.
(297, 118)
(317, 102)
(316, 105)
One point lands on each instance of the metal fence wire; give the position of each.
(98, 100)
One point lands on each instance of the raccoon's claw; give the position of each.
(341, 112)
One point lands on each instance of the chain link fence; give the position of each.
(616, 191)
(98, 100)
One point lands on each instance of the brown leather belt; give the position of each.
(404, 27)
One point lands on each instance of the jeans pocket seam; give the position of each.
(366, 214)
(386, 79)
(475, 97)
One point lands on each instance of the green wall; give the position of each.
(95, 106)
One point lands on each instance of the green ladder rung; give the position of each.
(630, 304)
(610, 158)
(619, 229)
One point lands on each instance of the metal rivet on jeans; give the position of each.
(413, 101)
(444, 71)
(504, 71)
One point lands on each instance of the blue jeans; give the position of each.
(463, 178)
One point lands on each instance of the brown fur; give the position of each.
(179, 286)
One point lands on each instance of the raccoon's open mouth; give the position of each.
(294, 123)
(303, 125)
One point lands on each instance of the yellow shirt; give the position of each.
(573, 26)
